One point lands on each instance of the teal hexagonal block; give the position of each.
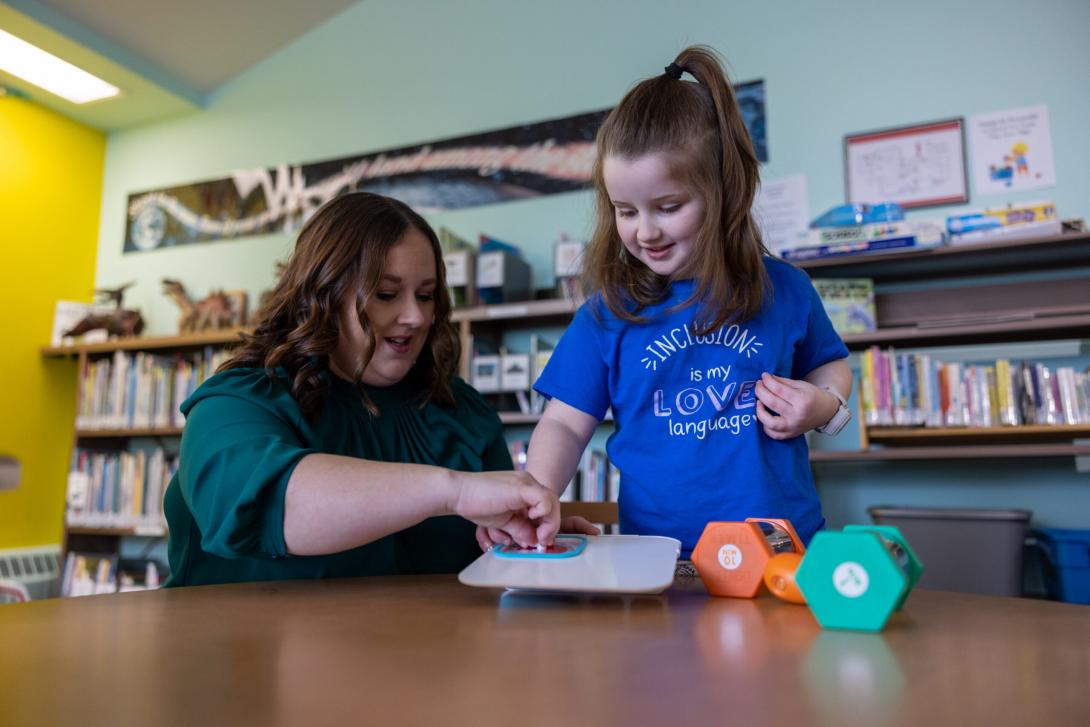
(903, 553)
(851, 581)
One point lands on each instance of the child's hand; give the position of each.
(487, 537)
(579, 526)
(801, 406)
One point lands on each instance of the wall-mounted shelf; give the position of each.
(117, 532)
(958, 435)
(951, 452)
(1053, 252)
(127, 433)
(531, 309)
(137, 343)
(1028, 328)
(514, 417)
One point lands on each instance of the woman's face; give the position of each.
(401, 312)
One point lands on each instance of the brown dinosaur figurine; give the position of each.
(211, 312)
(118, 322)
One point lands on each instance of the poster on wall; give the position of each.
(519, 162)
(782, 211)
(1012, 150)
(496, 166)
(751, 100)
(916, 166)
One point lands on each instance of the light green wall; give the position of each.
(386, 74)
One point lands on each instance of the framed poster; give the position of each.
(916, 166)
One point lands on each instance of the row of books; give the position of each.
(596, 480)
(904, 389)
(141, 389)
(90, 574)
(119, 489)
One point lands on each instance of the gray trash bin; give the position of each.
(972, 551)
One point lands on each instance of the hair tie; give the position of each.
(674, 71)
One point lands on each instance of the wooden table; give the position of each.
(430, 651)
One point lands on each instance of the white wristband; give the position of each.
(842, 416)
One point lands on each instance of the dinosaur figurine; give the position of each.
(213, 311)
(118, 322)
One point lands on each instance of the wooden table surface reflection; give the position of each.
(427, 650)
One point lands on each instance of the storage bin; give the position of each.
(1067, 563)
(967, 550)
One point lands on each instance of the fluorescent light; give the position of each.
(34, 65)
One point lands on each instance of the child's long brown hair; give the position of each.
(342, 251)
(698, 127)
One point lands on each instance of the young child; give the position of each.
(714, 358)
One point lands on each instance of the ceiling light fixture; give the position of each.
(45, 70)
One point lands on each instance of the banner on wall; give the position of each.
(519, 162)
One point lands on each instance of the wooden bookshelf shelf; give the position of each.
(137, 343)
(1056, 251)
(117, 532)
(1029, 328)
(127, 433)
(951, 452)
(953, 435)
(531, 309)
(515, 417)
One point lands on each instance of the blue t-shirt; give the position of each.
(687, 440)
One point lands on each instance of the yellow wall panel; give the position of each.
(50, 196)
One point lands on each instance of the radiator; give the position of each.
(36, 568)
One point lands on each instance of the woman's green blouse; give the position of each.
(244, 435)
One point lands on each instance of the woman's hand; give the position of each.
(801, 406)
(487, 537)
(510, 502)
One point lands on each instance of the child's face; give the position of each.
(657, 216)
(400, 311)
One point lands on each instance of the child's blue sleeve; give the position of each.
(577, 373)
(820, 343)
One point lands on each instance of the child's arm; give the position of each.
(802, 404)
(557, 444)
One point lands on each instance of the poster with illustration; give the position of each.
(1011, 150)
(503, 165)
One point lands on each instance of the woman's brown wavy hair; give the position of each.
(341, 251)
(699, 128)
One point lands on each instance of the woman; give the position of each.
(337, 441)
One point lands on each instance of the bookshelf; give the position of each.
(126, 514)
(1031, 290)
(1027, 290)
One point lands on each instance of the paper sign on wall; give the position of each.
(782, 210)
(1012, 150)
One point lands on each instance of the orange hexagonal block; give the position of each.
(731, 556)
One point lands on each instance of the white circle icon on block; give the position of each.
(730, 556)
(850, 579)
